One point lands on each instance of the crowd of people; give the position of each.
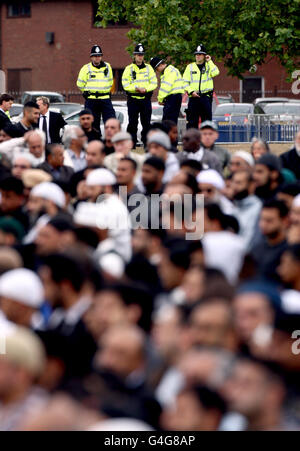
(109, 318)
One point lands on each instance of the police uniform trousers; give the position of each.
(172, 107)
(100, 107)
(136, 108)
(198, 107)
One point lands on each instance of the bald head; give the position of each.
(191, 140)
(122, 350)
(94, 153)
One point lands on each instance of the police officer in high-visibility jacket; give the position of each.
(171, 88)
(95, 80)
(198, 79)
(139, 81)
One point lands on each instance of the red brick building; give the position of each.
(44, 44)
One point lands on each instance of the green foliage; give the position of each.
(238, 32)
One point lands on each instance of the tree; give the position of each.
(241, 33)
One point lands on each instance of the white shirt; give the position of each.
(41, 121)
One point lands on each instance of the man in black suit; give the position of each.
(50, 122)
(6, 101)
(291, 159)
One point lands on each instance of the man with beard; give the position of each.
(267, 176)
(291, 159)
(247, 205)
(273, 224)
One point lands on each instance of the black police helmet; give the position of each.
(156, 61)
(96, 51)
(139, 50)
(200, 50)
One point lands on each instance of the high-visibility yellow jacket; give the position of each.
(202, 82)
(134, 77)
(171, 82)
(96, 80)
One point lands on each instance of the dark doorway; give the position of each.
(251, 89)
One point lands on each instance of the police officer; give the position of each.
(171, 88)
(95, 80)
(198, 79)
(139, 81)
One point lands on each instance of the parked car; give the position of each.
(279, 113)
(233, 113)
(32, 96)
(265, 100)
(16, 109)
(66, 107)
(121, 114)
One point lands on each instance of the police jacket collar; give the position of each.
(102, 64)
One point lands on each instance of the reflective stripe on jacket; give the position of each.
(194, 80)
(171, 82)
(98, 80)
(134, 77)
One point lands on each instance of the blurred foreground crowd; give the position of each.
(105, 326)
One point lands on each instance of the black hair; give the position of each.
(158, 126)
(50, 148)
(191, 163)
(87, 236)
(293, 189)
(208, 398)
(179, 252)
(31, 104)
(6, 98)
(62, 223)
(133, 162)
(156, 163)
(12, 183)
(64, 268)
(168, 124)
(279, 205)
(294, 249)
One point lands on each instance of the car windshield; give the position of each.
(282, 108)
(66, 108)
(230, 108)
(15, 110)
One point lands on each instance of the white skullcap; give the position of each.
(211, 177)
(291, 301)
(120, 424)
(101, 177)
(246, 156)
(26, 155)
(113, 264)
(22, 285)
(49, 191)
(86, 214)
(296, 201)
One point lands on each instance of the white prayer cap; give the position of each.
(211, 177)
(120, 424)
(101, 177)
(49, 191)
(22, 285)
(112, 264)
(296, 201)
(87, 214)
(246, 156)
(291, 301)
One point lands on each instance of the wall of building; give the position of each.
(56, 66)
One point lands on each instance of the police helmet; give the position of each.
(96, 51)
(200, 50)
(139, 50)
(156, 61)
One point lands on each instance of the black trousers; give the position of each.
(172, 107)
(198, 107)
(136, 108)
(100, 107)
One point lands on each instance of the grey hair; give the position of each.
(255, 140)
(26, 155)
(44, 99)
(69, 134)
(41, 134)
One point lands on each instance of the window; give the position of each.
(19, 9)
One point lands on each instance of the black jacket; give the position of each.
(4, 120)
(56, 123)
(291, 160)
(63, 174)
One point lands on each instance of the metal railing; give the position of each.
(270, 128)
